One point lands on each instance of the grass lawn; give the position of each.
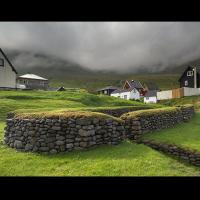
(46, 101)
(186, 135)
(195, 100)
(126, 159)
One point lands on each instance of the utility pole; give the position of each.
(195, 77)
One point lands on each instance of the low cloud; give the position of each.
(120, 46)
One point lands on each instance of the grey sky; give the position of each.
(107, 45)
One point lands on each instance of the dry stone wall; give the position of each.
(137, 124)
(53, 135)
(181, 153)
(117, 112)
(81, 130)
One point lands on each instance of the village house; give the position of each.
(32, 81)
(8, 73)
(190, 77)
(151, 90)
(107, 90)
(150, 96)
(131, 90)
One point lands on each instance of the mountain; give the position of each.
(70, 74)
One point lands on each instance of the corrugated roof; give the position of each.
(33, 76)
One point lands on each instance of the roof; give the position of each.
(122, 90)
(107, 88)
(8, 61)
(61, 89)
(151, 86)
(189, 68)
(33, 76)
(135, 84)
(151, 93)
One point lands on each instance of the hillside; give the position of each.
(70, 74)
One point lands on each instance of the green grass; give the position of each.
(185, 135)
(47, 101)
(126, 159)
(195, 100)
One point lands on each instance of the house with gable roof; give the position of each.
(32, 81)
(131, 90)
(8, 73)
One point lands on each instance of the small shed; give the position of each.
(150, 96)
(32, 81)
(107, 90)
(61, 89)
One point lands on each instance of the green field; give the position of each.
(93, 82)
(195, 100)
(126, 159)
(47, 101)
(185, 135)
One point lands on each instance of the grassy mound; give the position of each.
(150, 112)
(64, 115)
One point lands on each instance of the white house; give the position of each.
(8, 73)
(131, 90)
(32, 81)
(126, 93)
(150, 96)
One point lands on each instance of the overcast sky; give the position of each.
(107, 45)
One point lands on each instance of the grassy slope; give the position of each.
(195, 100)
(124, 159)
(47, 101)
(186, 135)
(164, 81)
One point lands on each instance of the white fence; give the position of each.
(168, 94)
(191, 91)
(164, 95)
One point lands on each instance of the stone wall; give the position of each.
(62, 133)
(117, 112)
(184, 154)
(53, 133)
(139, 123)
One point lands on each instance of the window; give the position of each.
(125, 96)
(190, 73)
(147, 98)
(105, 91)
(1, 62)
(186, 83)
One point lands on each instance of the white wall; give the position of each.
(191, 91)
(7, 76)
(134, 94)
(150, 100)
(164, 95)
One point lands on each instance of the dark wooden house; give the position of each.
(190, 77)
(107, 90)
